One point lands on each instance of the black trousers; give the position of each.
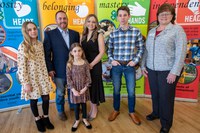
(77, 110)
(163, 95)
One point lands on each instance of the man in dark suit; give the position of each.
(57, 44)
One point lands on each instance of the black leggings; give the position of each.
(45, 105)
(77, 109)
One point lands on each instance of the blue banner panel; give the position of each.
(12, 15)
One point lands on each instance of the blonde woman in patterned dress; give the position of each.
(78, 81)
(33, 74)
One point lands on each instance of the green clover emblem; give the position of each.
(1, 15)
(113, 15)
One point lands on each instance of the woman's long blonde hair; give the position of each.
(71, 57)
(85, 29)
(29, 50)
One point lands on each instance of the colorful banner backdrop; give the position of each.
(187, 15)
(76, 10)
(139, 10)
(12, 15)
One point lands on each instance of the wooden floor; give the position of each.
(186, 119)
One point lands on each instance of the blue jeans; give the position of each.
(129, 74)
(60, 94)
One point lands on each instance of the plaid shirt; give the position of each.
(125, 45)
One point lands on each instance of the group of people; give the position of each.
(74, 64)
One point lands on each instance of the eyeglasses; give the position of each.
(164, 14)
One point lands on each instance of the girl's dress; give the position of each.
(78, 77)
(33, 72)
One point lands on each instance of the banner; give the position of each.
(187, 87)
(139, 11)
(12, 15)
(76, 10)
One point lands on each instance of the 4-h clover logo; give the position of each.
(1, 15)
(113, 15)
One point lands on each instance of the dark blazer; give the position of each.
(57, 52)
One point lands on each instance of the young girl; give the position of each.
(33, 74)
(78, 81)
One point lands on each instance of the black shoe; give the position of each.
(73, 129)
(164, 130)
(151, 117)
(87, 126)
(40, 125)
(47, 123)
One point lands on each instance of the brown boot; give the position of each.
(135, 119)
(113, 115)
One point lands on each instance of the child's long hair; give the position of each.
(85, 29)
(71, 57)
(29, 50)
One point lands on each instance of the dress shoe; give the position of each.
(164, 130)
(74, 128)
(62, 116)
(113, 115)
(135, 119)
(87, 125)
(151, 117)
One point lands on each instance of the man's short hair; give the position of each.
(124, 8)
(60, 11)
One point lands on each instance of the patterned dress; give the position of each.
(33, 72)
(78, 77)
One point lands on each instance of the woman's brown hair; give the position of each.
(166, 7)
(71, 57)
(29, 50)
(85, 29)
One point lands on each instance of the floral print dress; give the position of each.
(33, 72)
(78, 77)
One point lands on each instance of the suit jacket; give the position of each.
(57, 52)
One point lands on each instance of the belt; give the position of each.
(123, 62)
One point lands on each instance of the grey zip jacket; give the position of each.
(166, 51)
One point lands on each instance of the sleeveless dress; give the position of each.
(91, 50)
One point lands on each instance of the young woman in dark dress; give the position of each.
(94, 47)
